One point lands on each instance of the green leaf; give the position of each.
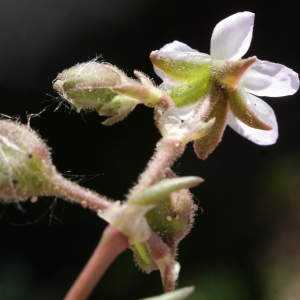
(163, 188)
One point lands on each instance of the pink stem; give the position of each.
(167, 151)
(71, 191)
(112, 243)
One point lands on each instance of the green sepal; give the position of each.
(149, 95)
(181, 70)
(189, 93)
(164, 220)
(230, 72)
(143, 252)
(90, 97)
(243, 113)
(143, 258)
(217, 107)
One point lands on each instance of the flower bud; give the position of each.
(89, 86)
(172, 218)
(25, 165)
(170, 221)
(129, 217)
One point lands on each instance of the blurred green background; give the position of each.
(246, 240)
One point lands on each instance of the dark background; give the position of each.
(246, 240)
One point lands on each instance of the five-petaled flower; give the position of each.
(221, 85)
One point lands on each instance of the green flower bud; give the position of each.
(25, 165)
(172, 218)
(170, 221)
(89, 86)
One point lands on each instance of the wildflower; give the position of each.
(221, 85)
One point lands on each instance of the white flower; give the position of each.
(230, 40)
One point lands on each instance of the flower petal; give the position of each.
(167, 83)
(180, 51)
(260, 137)
(177, 46)
(265, 78)
(187, 112)
(231, 37)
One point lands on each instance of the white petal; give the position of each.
(160, 73)
(265, 78)
(168, 84)
(187, 112)
(231, 37)
(177, 46)
(265, 114)
(180, 51)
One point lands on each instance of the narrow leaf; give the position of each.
(180, 294)
(163, 188)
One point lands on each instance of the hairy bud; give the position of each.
(170, 221)
(172, 218)
(89, 86)
(25, 166)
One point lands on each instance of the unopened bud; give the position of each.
(172, 218)
(89, 86)
(25, 165)
(170, 221)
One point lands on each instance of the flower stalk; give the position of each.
(73, 192)
(111, 245)
(167, 151)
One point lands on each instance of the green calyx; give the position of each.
(192, 79)
(91, 97)
(189, 93)
(166, 220)
(181, 70)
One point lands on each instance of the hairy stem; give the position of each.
(73, 192)
(112, 243)
(167, 151)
